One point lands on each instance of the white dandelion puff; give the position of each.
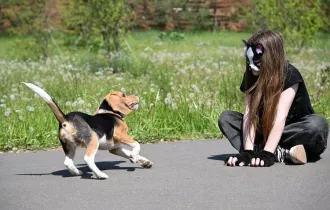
(30, 108)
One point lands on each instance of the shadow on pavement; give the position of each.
(220, 157)
(87, 174)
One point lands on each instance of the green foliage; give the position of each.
(94, 20)
(30, 19)
(183, 86)
(297, 20)
(323, 82)
(199, 18)
(326, 13)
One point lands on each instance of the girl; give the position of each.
(279, 124)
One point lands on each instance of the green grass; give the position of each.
(183, 85)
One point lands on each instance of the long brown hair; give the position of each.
(265, 89)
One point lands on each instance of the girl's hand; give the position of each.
(241, 159)
(263, 159)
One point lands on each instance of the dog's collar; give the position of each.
(116, 114)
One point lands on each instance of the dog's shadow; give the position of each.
(221, 157)
(87, 173)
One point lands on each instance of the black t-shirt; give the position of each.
(301, 105)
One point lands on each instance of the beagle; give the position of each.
(105, 130)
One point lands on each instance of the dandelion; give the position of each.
(174, 106)
(191, 95)
(196, 88)
(21, 118)
(123, 89)
(143, 103)
(168, 98)
(152, 90)
(30, 108)
(74, 104)
(3, 105)
(119, 78)
(68, 103)
(12, 97)
(7, 112)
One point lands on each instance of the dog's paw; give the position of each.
(146, 164)
(101, 176)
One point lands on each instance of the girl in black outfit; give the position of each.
(279, 124)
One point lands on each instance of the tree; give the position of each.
(108, 19)
(297, 20)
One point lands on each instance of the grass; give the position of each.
(183, 85)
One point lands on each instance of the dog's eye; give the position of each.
(124, 95)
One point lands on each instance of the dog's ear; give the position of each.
(117, 104)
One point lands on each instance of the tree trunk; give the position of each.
(107, 47)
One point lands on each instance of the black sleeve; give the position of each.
(292, 76)
(242, 87)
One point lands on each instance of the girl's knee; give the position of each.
(226, 117)
(318, 125)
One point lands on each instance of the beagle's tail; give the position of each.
(51, 103)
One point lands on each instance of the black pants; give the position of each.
(312, 132)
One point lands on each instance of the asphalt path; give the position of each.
(185, 175)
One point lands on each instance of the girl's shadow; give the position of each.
(222, 157)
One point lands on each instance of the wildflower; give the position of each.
(119, 78)
(12, 97)
(74, 104)
(3, 105)
(174, 106)
(196, 88)
(123, 89)
(2, 101)
(31, 129)
(81, 101)
(30, 108)
(152, 90)
(143, 103)
(191, 95)
(7, 113)
(68, 103)
(21, 118)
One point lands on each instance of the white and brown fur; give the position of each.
(105, 130)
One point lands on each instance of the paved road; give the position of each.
(186, 175)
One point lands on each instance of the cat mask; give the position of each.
(253, 52)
